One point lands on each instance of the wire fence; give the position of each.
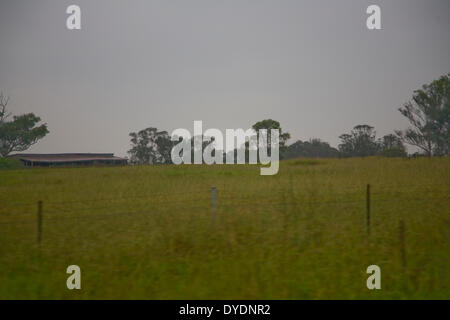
(363, 198)
(225, 194)
(56, 210)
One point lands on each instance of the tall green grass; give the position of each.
(146, 232)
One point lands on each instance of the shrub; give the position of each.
(10, 163)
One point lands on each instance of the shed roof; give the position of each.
(67, 157)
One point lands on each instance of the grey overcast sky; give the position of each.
(312, 65)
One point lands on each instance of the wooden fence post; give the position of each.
(39, 222)
(368, 209)
(213, 203)
(402, 232)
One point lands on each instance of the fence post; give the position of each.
(39, 217)
(402, 231)
(213, 203)
(368, 209)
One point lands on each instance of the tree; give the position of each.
(150, 146)
(391, 146)
(164, 146)
(360, 142)
(429, 116)
(205, 141)
(272, 124)
(21, 132)
(314, 148)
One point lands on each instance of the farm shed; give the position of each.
(69, 159)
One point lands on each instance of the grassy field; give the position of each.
(146, 232)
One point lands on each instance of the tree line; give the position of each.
(428, 113)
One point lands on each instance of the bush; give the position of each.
(10, 163)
